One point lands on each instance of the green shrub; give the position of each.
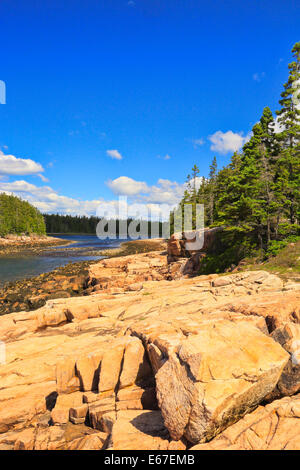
(276, 246)
(229, 248)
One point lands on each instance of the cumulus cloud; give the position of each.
(127, 186)
(163, 192)
(156, 204)
(11, 165)
(224, 142)
(146, 201)
(47, 199)
(114, 154)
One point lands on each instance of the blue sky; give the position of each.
(116, 97)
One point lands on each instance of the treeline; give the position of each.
(257, 196)
(56, 223)
(19, 217)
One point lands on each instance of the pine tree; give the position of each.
(268, 156)
(195, 173)
(228, 192)
(288, 177)
(212, 191)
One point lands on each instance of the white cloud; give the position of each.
(123, 209)
(127, 186)
(224, 142)
(156, 201)
(257, 77)
(47, 199)
(165, 157)
(11, 165)
(43, 178)
(163, 192)
(198, 181)
(114, 154)
(198, 142)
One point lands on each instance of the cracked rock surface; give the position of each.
(209, 362)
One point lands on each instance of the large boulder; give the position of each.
(189, 242)
(207, 380)
(143, 430)
(273, 427)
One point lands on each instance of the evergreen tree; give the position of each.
(288, 174)
(212, 191)
(19, 217)
(256, 197)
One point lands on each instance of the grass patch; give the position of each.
(286, 263)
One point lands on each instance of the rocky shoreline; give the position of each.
(64, 282)
(15, 244)
(154, 359)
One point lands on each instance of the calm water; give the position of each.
(21, 266)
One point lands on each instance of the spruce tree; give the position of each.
(212, 191)
(268, 152)
(288, 175)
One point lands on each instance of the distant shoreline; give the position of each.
(16, 243)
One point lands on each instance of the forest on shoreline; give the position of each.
(64, 224)
(19, 217)
(256, 197)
